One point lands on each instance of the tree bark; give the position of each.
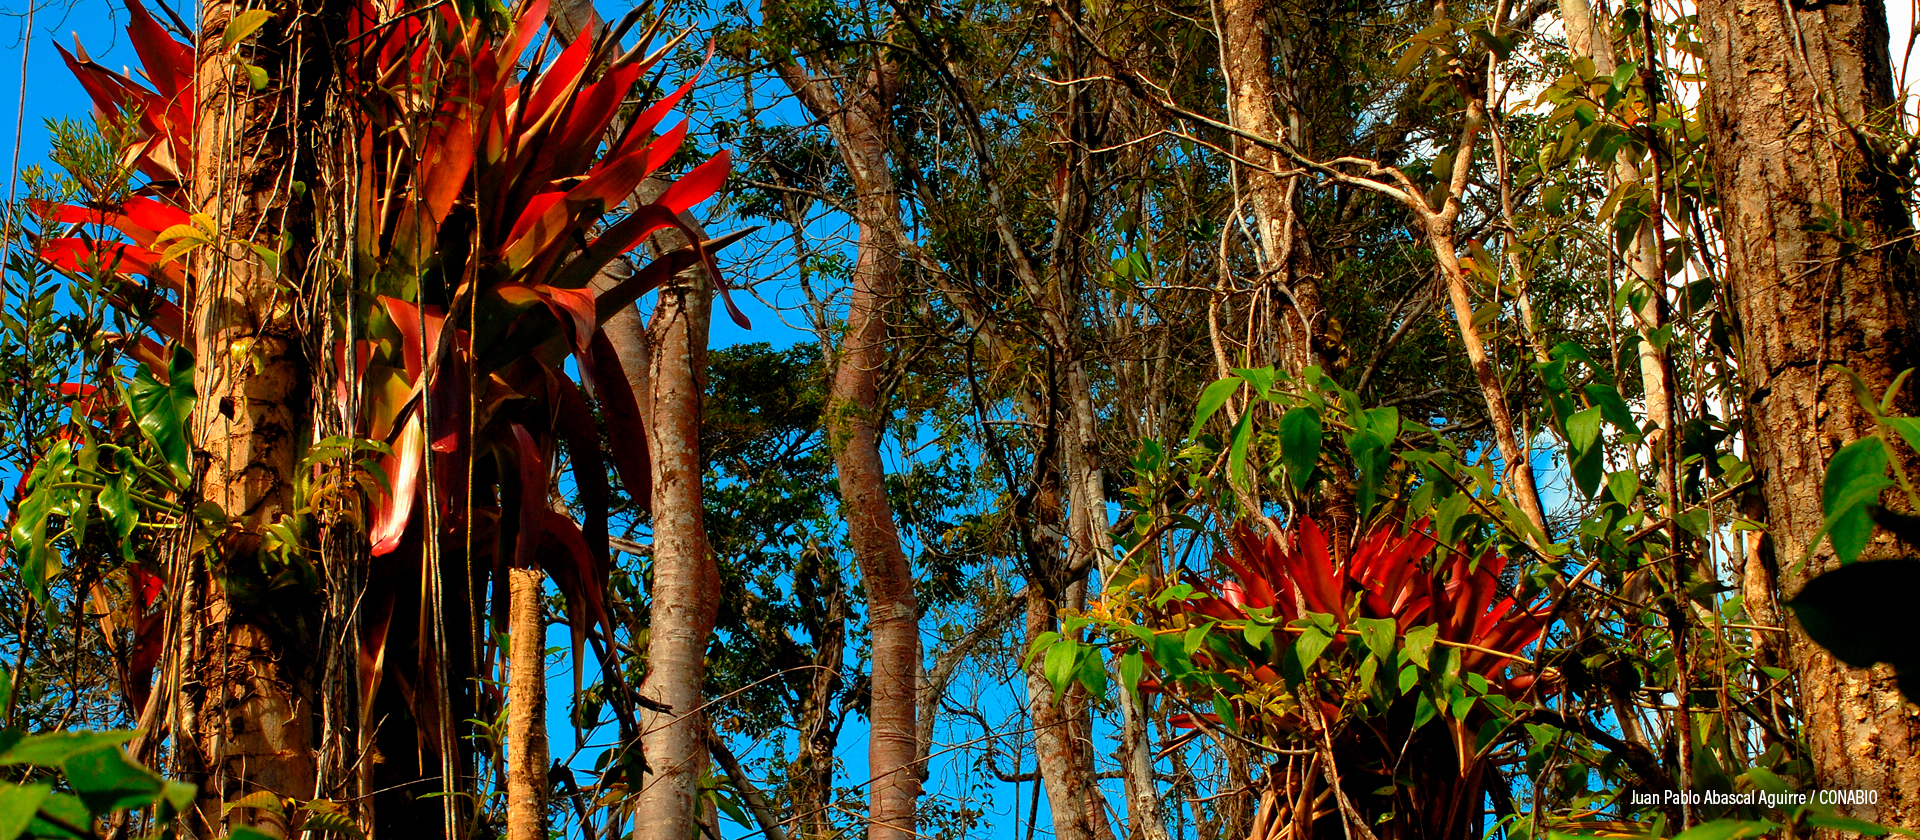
(251, 716)
(858, 121)
(1794, 93)
(527, 707)
(1071, 797)
(686, 584)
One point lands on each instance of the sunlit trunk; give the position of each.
(1792, 94)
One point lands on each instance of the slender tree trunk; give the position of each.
(1588, 36)
(1247, 44)
(252, 724)
(893, 613)
(686, 583)
(1793, 93)
(860, 127)
(1056, 755)
(526, 707)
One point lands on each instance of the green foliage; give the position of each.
(73, 781)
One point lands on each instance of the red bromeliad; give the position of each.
(1386, 578)
(483, 207)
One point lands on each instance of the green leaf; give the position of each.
(1257, 633)
(162, 411)
(178, 797)
(1224, 708)
(38, 562)
(243, 24)
(1612, 407)
(1131, 666)
(1379, 635)
(1847, 824)
(18, 803)
(1624, 486)
(1312, 642)
(1237, 452)
(1420, 644)
(1196, 635)
(68, 809)
(1855, 477)
(1211, 400)
(1092, 672)
(1583, 452)
(108, 781)
(1059, 665)
(54, 748)
(1727, 830)
(257, 79)
(1041, 644)
(1300, 433)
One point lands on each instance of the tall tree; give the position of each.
(1822, 273)
(250, 708)
(858, 114)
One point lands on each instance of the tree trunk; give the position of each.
(1786, 88)
(1071, 797)
(1247, 47)
(893, 614)
(860, 129)
(249, 714)
(527, 707)
(686, 583)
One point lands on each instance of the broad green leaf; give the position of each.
(1059, 664)
(162, 411)
(1300, 432)
(1379, 635)
(108, 781)
(1131, 666)
(1237, 452)
(1092, 672)
(18, 803)
(1224, 708)
(1423, 710)
(1041, 644)
(1211, 400)
(177, 796)
(1196, 636)
(1583, 429)
(1312, 642)
(1612, 407)
(1859, 612)
(1848, 824)
(54, 748)
(1624, 486)
(1420, 644)
(242, 25)
(1583, 451)
(1257, 633)
(65, 806)
(1855, 477)
(38, 562)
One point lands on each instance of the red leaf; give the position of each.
(698, 185)
(403, 468)
(169, 63)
